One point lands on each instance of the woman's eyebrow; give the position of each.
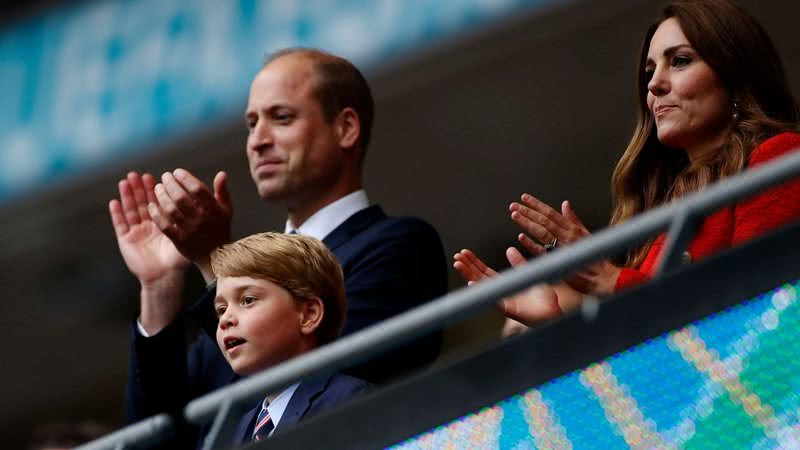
(669, 51)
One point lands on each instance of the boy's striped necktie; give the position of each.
(264, 423)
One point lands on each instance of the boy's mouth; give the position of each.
(232, 341)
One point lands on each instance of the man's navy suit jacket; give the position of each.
(390, 264)
(311, 398)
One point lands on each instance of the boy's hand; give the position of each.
(147, 252)
(196, 220)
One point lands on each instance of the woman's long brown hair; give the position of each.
(742, 55)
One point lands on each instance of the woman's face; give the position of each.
(691, 106)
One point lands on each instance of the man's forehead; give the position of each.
(281, 80)
(289, 70)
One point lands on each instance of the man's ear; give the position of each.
(348, 127)
(312, 310)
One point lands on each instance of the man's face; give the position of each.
(293, 152)
(260, 323)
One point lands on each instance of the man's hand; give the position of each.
(147, 252)
(196, 220)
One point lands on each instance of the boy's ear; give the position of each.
(312, 311)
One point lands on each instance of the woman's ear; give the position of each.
(312, 311)
(348, 127)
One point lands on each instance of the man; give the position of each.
(309, 116)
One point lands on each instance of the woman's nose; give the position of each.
(659, 83)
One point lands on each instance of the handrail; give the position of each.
(459, 304)
(138, 435)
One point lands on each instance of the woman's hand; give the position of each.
(549, 227)
(531, 306)
(545, 224)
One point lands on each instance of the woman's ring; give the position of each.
(551, 246)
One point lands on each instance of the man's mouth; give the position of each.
(231, 342)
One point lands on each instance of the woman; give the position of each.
(713, 101)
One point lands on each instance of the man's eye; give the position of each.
(283, 118)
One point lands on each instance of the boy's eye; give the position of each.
(246, 300)
(220, 310)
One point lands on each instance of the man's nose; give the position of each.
(260, 137)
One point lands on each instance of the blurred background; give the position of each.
(477, 101)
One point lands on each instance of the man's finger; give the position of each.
(167, 207)
(149, 183)
(198, 190)
(128, 203)
(139, 195)
(162, 222)
(221, 193)
(117, 218)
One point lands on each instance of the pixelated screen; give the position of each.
(730, 380)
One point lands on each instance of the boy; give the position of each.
(278, 296)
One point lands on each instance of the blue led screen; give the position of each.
(729, 381)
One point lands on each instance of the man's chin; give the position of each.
(273, 193)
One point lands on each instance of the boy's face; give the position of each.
(260, 323)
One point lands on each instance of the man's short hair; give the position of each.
(339, 84)
(300, 264)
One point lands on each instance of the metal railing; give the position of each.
(680, 218)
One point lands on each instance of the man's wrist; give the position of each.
(204, 266)
(161, 301)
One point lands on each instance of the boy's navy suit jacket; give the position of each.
(310, 398)
(390, 264)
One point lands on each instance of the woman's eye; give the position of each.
(679, 61)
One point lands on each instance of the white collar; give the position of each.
(277, 407)
(331, 216)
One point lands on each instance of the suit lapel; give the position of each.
(301, 401)
(353, 225)
(244, 431)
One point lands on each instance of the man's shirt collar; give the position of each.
(331, 216)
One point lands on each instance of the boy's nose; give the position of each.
(226, 320)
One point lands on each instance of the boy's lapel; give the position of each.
(301, 401)
(244, 431)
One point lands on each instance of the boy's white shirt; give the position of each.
(278, 406)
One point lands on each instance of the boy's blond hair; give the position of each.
(300, 264)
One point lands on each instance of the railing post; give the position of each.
(681, 231)
(220, 436)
